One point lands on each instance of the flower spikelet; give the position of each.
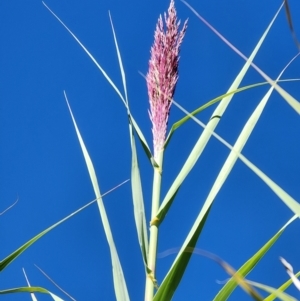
(162, 75)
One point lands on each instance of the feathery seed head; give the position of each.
(162, 75)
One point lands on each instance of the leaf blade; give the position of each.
(136, 184)
(31, 289)
(169, 288)
(118, 276)
(285, 95)
(206, 135)
(248, 266)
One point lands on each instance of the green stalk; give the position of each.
(151, 282)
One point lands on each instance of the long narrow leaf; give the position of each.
(247, 267)
(183, 120)
(179, 265)
(32, 295)
(123, 75)
(282, 288)
(206, 135)
(283, 195)
(167, 289)
(137, 129)
(88, 53)
(279, 294)
(137, 196)
(143, 141)
(239, 278)
(136, 185)
(118, 277)
(32, 289)
(286, 96)
(6, 261)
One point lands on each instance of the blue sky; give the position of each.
(42, 164)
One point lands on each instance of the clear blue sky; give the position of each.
(42, 164)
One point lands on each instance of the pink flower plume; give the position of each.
(162, 75)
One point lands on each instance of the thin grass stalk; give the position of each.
(161, 81)
(151, 282)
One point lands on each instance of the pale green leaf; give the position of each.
(125, 102)
(32, 295)
(138, 203)
(206, 135)
(183, 120)
(55, 298)
(170, 284)
(286, 96)
(32, 289)
(282, 288)
(88, 53)
(248, 266)
(136, 185)
(6, 261)
(279, 294)
(26, 289)
(137, 195)
(171, 281)
(123, 75)
(118, 277)
(283, 195)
